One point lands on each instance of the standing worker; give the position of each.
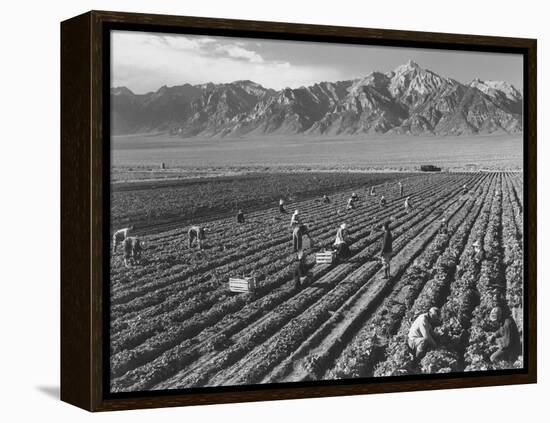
(198, 233)
(297, 234)
(387, 250)
(382, 201)
(506, 337)
(120, 235)
(240, 216)
(295, 219)
(282, 206)
(408, 204)
(421, 334)
(400, 189)
(342, 242)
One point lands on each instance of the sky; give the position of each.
(144, 62)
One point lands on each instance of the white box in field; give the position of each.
(324, 257)
(246, 284)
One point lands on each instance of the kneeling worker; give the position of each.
(506, 337)
(342, 242)
(301, 274)
(421, 335)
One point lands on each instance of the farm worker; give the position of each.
(372, 191)
(382, 201)
(295, 219)
(297, 234)
(132, 247)
(464, 189)
(408, 205)
(326, 200)
(120, 235)
(282, 206)
(197, 232)
(506, 337)
(300, 270)
(443, 226)
(354, 196)
(400, 189)
(341, 242)
(240, 216)
(421, 334)
(478, 253)
(350, 204)
(387, 249)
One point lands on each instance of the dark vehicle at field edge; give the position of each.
(430, 168)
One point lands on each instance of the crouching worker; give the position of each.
(282, 206)
(326, 200)
(297, 233)
(240, 216)
(120, 235)
(342, 242)
(198, 233)
(301, 275)
(350, 204)
(506, 337)
(421, 335)
(132, 250)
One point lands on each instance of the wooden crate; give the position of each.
(246, 284)
(324, 257)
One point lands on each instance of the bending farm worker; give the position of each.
(326, 200)
(282, 206)
(382, 201)
(421, 336)
(132, 247)
(120, 235)
(408, 204)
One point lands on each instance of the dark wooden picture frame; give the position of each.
(83, 215)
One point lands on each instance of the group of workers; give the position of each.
(422, 337)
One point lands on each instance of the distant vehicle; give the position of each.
(430, 168)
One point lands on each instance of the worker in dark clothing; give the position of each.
(400, 184)
(382, 201)
(444, 226)
(282, 206)
(354, 197)
(506, 337)
(297, 234)
(300, 271)
(387, 250)
(326, 200)
(464, 189)
(132, 247)
(198, 233)
(240, 216)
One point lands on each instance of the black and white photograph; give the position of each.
(287, 211)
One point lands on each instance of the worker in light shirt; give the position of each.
(421, 334)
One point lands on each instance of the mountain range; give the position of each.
(408, 100)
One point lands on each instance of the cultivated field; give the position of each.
(174, 324)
